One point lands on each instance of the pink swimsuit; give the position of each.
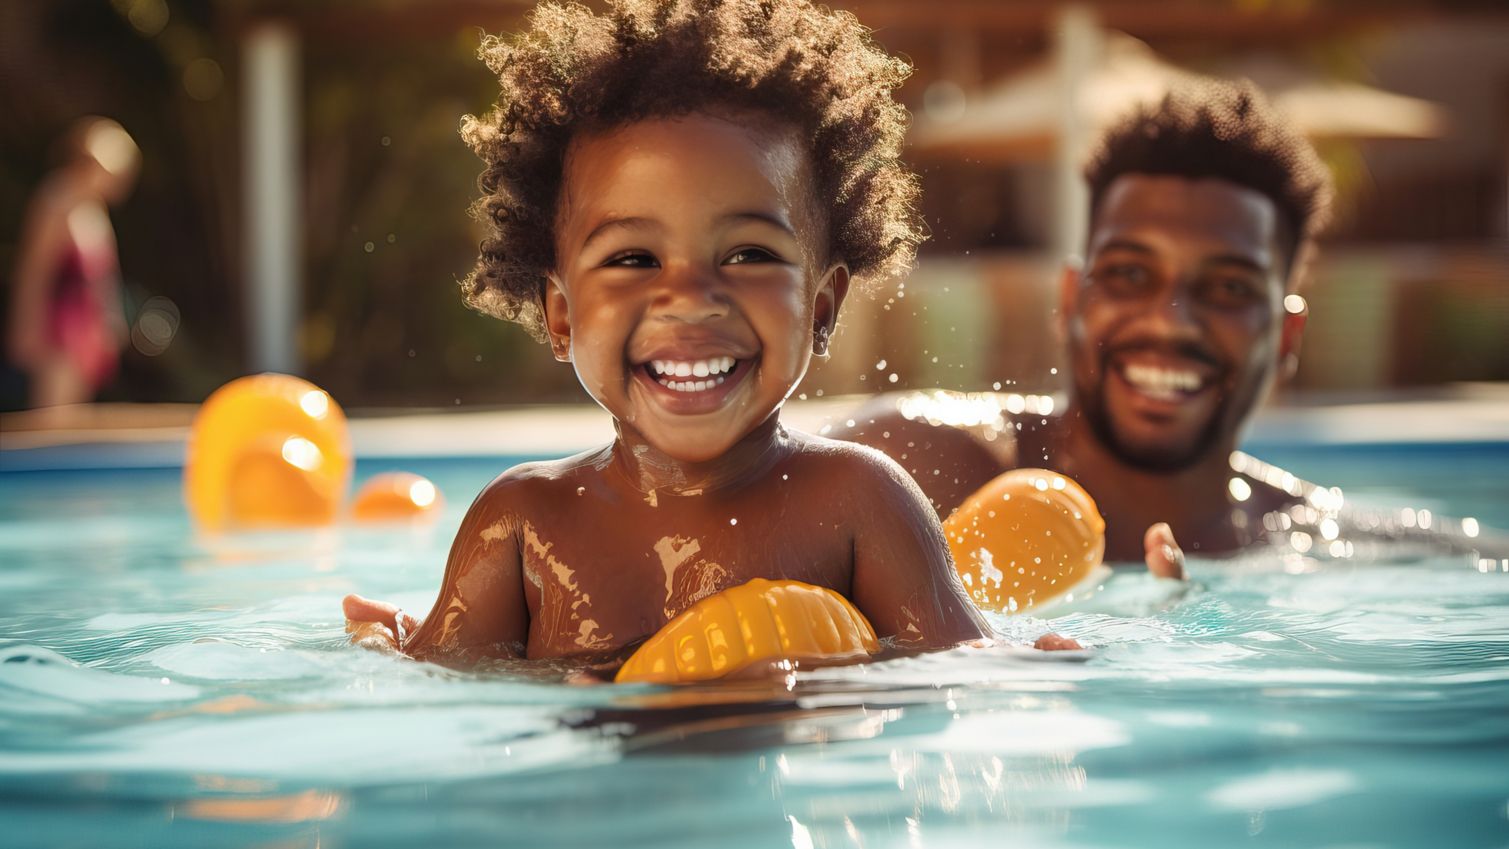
(76, 320)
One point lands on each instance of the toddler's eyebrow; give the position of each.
(634, 222)
(774, 219)
(615, 223)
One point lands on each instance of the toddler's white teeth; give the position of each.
(713, 367)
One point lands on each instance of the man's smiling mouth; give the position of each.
(1165, 378)
(1168, 384)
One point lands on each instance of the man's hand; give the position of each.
(1164, 557)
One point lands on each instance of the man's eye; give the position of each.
(1229, 292)
(632, 259)
(1123, 278)
(747, 255)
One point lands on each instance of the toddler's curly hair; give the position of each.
(572, 71)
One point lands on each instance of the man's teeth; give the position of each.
(1162, 382)
(707, 373)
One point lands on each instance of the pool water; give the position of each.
(158, 689)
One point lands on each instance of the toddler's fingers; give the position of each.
(372, 635)
(1056, 642)
(361, 609)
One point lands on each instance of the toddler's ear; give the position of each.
(557, 319)
(826, 301)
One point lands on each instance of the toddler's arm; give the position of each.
(481, 606)
(904, 581)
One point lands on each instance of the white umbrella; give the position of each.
(1019, 118)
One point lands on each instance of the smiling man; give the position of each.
(1182, 316)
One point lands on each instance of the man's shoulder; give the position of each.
(977, 429)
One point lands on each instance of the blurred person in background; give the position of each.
(1181, 318)
(66, 327)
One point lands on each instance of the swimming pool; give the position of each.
(161, 690)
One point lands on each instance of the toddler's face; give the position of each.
(687, 285)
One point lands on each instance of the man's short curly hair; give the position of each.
(1226, 131)
(572, 71)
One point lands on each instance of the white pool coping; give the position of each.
(129, 436)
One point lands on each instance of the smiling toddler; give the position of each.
(680, 195)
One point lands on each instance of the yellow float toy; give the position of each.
(1024, 539)
(761, 621)
(397, 496)
(267, 450)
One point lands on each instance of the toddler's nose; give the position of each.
(691, 294)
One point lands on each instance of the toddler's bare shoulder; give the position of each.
(539, 481)
(849, 463)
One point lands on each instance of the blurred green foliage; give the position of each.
(385, 231)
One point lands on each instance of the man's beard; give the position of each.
(1157, 459)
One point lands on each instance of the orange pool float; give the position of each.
(396, 496)
(1024, 539)
(760, 621)
(267, 450)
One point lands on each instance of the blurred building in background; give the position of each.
(303, 200)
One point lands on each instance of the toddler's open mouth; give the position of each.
(693, 382)
(692, 375)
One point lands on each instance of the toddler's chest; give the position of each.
(598, 588)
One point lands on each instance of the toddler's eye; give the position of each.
(632, 259)
(747, 255)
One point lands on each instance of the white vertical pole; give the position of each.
(1077, 43)
(270, 141)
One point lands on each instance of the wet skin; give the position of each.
(687, 241)
(1175, 330)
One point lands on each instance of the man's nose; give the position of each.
(689, 292)
(1172, 314)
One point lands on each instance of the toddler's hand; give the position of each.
(376, 624)
(1055, 642)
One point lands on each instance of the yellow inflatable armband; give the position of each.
(1025, 538)
(752, 623)
(269, 449)
(396, 496)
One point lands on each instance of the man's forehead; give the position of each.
(1206, 213)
